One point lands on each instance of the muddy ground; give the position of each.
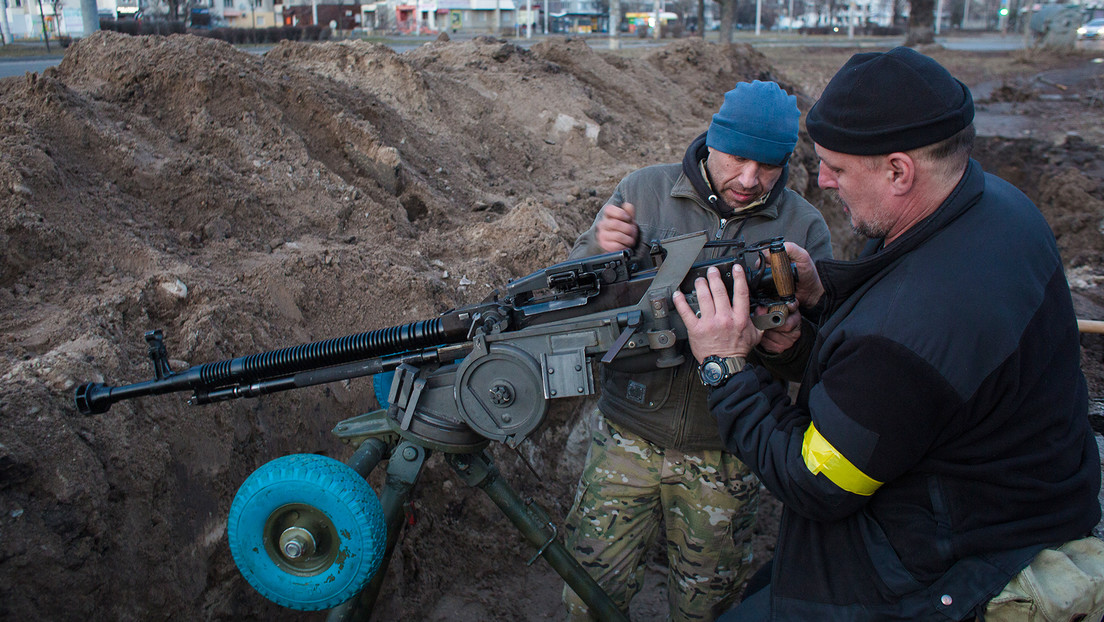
(244, 203)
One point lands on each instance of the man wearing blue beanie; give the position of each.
(938, 463)
(655, 456)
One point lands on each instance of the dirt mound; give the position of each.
(1014, 91)
(244, 203)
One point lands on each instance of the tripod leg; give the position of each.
(368, 456)
(538, 529)
(402, 472)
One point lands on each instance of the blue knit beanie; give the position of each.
(757, 121)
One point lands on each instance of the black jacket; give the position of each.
(941, 437)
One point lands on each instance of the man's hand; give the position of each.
(617, 230)
(809, 289)
(778, 340)
(721, 327)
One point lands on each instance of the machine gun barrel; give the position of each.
(276, 370)
(353, 355)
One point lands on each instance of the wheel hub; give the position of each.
(297, 542)
(301, 540)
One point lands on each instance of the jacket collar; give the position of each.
(841, 278)
(692, 170)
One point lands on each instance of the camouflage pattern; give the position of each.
(1063, 583)
(706, 499)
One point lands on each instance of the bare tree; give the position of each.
(921, 22)
(899, 12)
(835, 7)
(728, 19)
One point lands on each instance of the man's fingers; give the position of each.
(625, 213)
(706, 306)
(808, 287)
(617, 228)
(612, 239)
(741, 307)
(689, 318)
(719, 291)
(792, 321)
(776, 344)
(793, 250)
(719, 329)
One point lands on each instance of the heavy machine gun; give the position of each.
(309, 533)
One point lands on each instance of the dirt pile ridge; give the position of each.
(243, 204)
(246, 203)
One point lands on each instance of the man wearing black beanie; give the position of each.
(655, 457)
(938, 463)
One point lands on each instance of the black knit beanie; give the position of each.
(882, 102)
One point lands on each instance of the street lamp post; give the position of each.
(5, 29)
(658, 10)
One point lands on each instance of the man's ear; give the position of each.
(901, 172)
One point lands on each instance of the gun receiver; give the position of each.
(485, 371)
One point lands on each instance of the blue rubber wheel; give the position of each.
(307, 532)
(381, 385)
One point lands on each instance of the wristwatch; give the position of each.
(716, 370)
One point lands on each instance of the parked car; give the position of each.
(1094, 29)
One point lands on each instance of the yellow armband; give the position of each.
(821, 457)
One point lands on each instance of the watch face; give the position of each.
(712, 372)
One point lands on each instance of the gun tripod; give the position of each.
(475, 467)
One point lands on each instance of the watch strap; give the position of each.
(733, 365)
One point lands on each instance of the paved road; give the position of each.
(18, 67)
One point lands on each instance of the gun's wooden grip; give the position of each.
(1091, 326)
(781, 271)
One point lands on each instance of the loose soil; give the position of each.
(244, 203)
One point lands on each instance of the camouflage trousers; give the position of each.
(707, 500)
(1061, 583)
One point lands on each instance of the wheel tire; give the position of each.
(381, 385)
(334, 518)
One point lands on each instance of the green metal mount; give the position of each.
(405, 462)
